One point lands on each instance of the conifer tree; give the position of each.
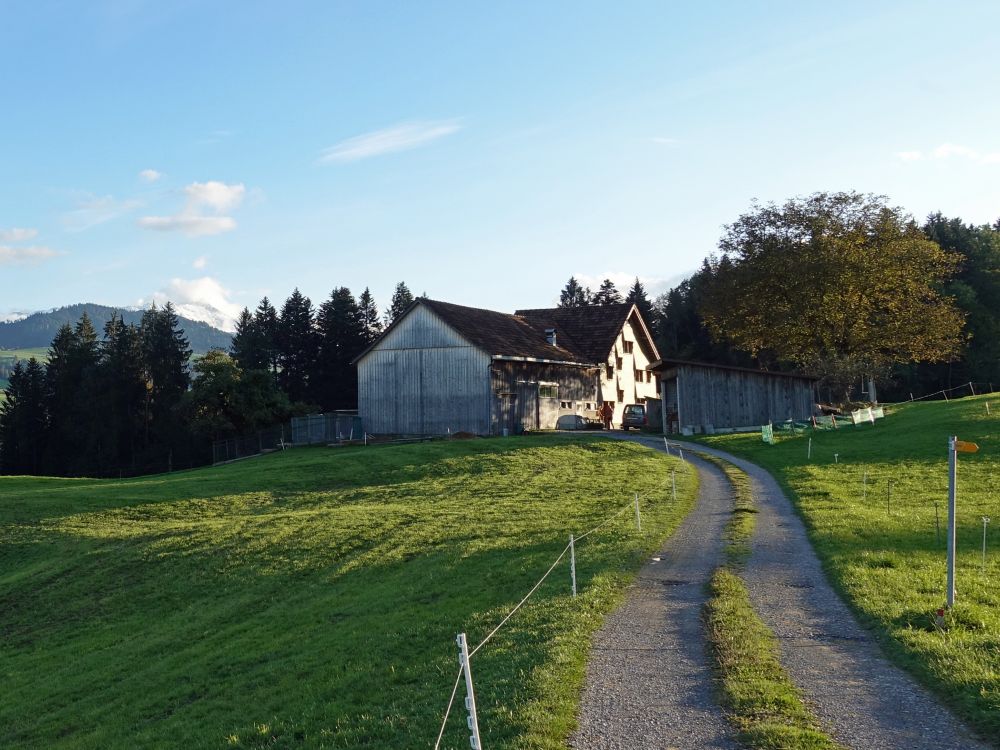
(246, 348)
(637, 296)
(573, 295)
(608, 294)
(341, 338)
(122, 392)
(23, 420)
(266, 326)
(402, 298)
(297, 346)
(371, 325)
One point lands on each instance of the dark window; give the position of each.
(628, 347)
(547, 390)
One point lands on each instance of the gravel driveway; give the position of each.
(862, 699)
(649, 683)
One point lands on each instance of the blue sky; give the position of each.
(482, 152)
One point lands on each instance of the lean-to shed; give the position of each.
(700, 397)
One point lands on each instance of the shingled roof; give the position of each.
(589, 331)
(501, 333)
(584, 335)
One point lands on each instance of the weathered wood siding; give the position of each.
(424, 379)
(733, 398)
(517, 405)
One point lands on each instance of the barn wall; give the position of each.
(424, 379)
(515, 393)
(731, 398)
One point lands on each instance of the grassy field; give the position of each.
(886, 558)
(311, 598)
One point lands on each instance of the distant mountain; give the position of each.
(38, 329)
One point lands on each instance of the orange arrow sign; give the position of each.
(963, 447)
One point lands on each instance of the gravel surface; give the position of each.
(649, 683)
(863, 700)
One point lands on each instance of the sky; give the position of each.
(216, 152)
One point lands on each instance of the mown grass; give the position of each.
(761, 700)
(881, 550)
(311, 598)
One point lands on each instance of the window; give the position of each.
(627, 346)
(611, 371)
(548, 390)
(565, 404)
(621, 395)
(638, 375)
(618, 363)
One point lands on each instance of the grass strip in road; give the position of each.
(761, 700)
(874, 502)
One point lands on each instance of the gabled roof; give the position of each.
(589, 331)
(501, 333)
(584, 335)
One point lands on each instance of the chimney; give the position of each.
(550, 336)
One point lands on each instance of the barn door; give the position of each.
(507, 413)
(527, 400)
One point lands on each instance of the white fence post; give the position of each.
(809, 450)
(470, 696)
(638, 522)
(572, 563)
(952, 476)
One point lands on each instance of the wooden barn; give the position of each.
(448, 368)
(700, 397)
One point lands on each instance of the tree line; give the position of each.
(134, 402)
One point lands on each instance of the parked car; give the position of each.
(634, 416)
(577, 422)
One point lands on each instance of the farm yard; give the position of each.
(312, 597)
(868, 495)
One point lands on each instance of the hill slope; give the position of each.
(868, 496)
(38, 329)
(311, 598)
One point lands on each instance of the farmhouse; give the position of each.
(700, 397)
(448, 368)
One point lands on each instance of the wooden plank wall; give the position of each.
(424, 379)
(575, 384)
(731, 398)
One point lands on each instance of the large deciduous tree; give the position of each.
(840, 284)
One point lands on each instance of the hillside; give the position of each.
(311, 598)
(38, 329)
(869, 496)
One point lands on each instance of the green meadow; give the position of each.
(879, 543)
(311, 598)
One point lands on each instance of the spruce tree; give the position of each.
(402, 298)
(265, 321)
(371, 324)
(246, 348)
(637, 296)
(165, 355)
(22, 420)
(341, 338)
(123, 392)
(574, 295)
(297, 346)
(608, 294)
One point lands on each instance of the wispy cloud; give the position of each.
(150, 175)
(25, 256)
(92, 210)
(951, 151)
(402, 137)
(16, 234)
(665, 141)
(203, 211)
(200, 263)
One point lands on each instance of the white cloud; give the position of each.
(150, 175)
(204, 299)
(24, 256)
(200, 263)
(950, 151)
(400, 137)
(92, 210)
(16, 234)
(213, 197)
(193, 226)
